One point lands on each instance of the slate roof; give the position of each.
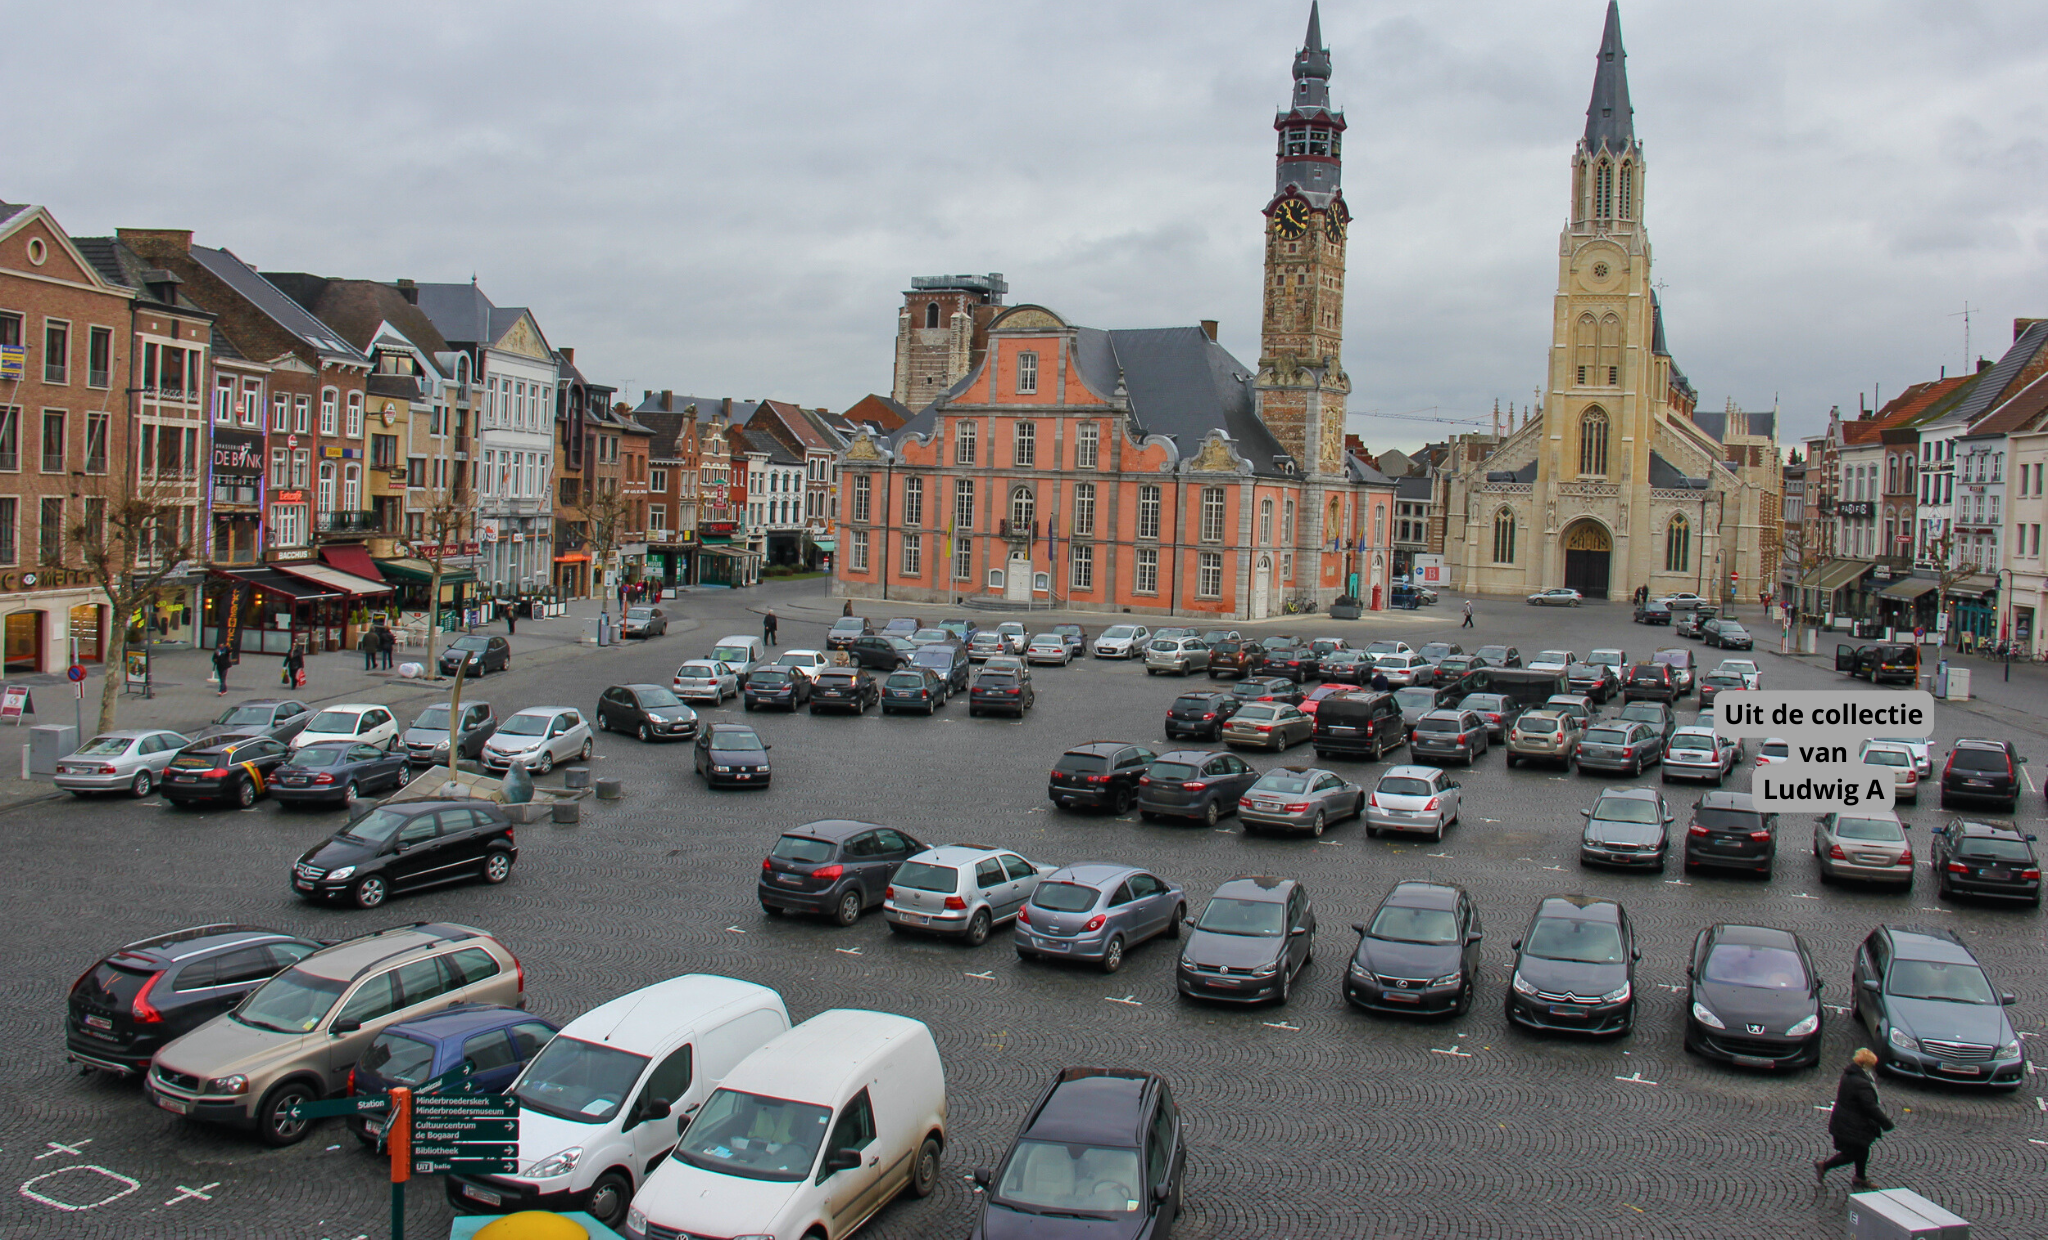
(1357, 470)
(1610, 121)
(124, 268)
(1413, 488)
(357, 308)
(1665, 476)
(460, 312)
(2018, 414)
(1715, 422)
(1993, 382)
(8, 210)
(272, 302)
(708, 407)
(224, 349)
(1917, 398)
(777, 454)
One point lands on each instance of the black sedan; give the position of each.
(915, 688)
(1419, 952)
(1985, 859)
(280, 719)
(1575, 968)
(851, 689)
(1755, 998)
(408, 846)
(143, 996)
(1718, 683)
(1100, 1157)
(1593, 680)
(223, 768)
(1267, 689)
(477, 654)
(650, 712)
(1253, 936)
(337, 772)
(881, 652)
(780, 687)
(1296, 663)
(1932, 1012)
(1200, 716)
(1500, 656)
(1653, 612)
(731, 755)
(1001, 690)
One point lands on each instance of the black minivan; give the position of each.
(1893, 661)
(949, 660)
(1358, 725)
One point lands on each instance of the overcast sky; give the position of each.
(728, 198)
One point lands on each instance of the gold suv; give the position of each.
(295, 1037)
(1544, 736)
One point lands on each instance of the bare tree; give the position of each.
(130, 536)
(605, 512)
(447, 516)
(1950, 569)
(1806, 553)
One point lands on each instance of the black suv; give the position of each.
(1730, 832)
(1100, 775)
(1985, 859)
(834, 866)
(1977, 770)
(409, 845)
(1650, 682)
(153, 991)
(1358, 725)
(1296, 663)
(1895, 661)
(1100, 1157)
(1200, 716)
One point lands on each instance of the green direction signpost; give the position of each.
(474, 1133)
(454, 1082)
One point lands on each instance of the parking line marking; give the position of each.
(847, 951)
(58, 1147)
(1637, 1079)
(734, 930)
(1800, 895)
(1933, 910)
(1836, 1008)
(1676, 882)
(989, 976)
(1665, 986)
(1127, 1000)
(191, 1194)
(1825, 1106)
(129, 1187)
(1452, 1051)
(1446, 856)
(1331, 843)
(1281, 1025)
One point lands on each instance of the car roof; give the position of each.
(828, 828)
(350, 957)
(1092, 1106)
(1417, 893)
(465, 1019)
(1579, 907)
(1192, 757)
(641, 686)
(958, 854)
(1922, 943)
(1092, 873)
(1258, 888)
(813, 1061)
(1445, 714)
(1978, 742)
(1755, 936)
(263, 702)
(1991, 831)
(644, 1018)
(1205, 693)
(543, 710)
(1629, 794)
(1728, 800)
(1692, 729)
(1411, 772)
(730, 727)
(129, 733)
(198, 940)
(227, 741)
(1100, 747)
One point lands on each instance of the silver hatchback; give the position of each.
(1869, 844)
(962, 889)
(112, 761)
(1413, 798)
(1179, 655)
(1300, 798)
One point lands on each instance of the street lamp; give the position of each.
(2005, 630)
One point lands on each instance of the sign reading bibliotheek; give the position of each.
(477, 1134)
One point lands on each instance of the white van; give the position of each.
(602, 1104)
(742, 652)
(812, 1135)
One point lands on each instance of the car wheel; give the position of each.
(245, 794)
(1125, 798)
(1180, 914)
(497, 866)
(351, 792)
(1211, 813)
(1512, 759)
(1113, 954)
(370, 892)
(547, 762)
(1438, 834)
(977, 929)
(1286, 985)
(584, 754)
(275, 1125)
(609, 1198)
(1315, 827)
(142, 785)
(1146, 815)
(847, 911)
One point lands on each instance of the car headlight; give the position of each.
(1266, 970)
(2011, 1050)
(236, 1084)
(721, 769)
(347, 871)
(1522, 987)
(1809, 1025)
(560, 1163)
(1902, 1040)
(1705, 1016)
(1618, 995)
(636, 1219)
(1359, 971)
(1448, 979)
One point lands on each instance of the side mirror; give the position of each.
(841, 1160)
(2007, 998)
(982, 1177)
(1474, 937)
(1635, 955)
(1516, 945)
(1359, 926)
(1297, 932)
(345, 1025)
(1870, 984)
(1585, 813)
(655, 1108)
(1160, 1192)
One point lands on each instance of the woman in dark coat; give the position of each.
(1857, 1121)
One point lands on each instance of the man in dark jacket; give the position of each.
(1380, 683)
(1857, 1120)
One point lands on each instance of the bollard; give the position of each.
(568, 813)
(607, 789)
(576, 777)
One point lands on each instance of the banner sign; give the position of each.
(14, 702)
(477, 1134)
(237, 454)
(237, 607)
(13, 362)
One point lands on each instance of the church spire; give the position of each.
(1610, 121)
(1312, 66)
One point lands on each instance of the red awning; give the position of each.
(353, 559)
(574, 557)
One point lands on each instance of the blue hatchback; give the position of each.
(498, 1041)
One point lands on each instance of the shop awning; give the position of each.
(1910, 588)
(1835, 574)
(574, 557)
(825, 544)
(733, 553)
(269, 579)
(353, 559)
(422, 572)
(334, 579)
(1976, 585)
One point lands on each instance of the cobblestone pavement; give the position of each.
(1310, 1120)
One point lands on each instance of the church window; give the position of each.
(963, 438)
(1678, 544)
(1585, 341)
(1603, 190)
(1504, 536)
(1212, 514)
(1609, 362)
(1265, 520)
(1148, 511)
(931, 315)
(1027, 373)
(1319, 142)
(1026, 455)
(1593, 443)
(1022, 505)
(1628, 184)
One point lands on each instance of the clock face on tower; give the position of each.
(1290, 219)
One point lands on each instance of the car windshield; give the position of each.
(1064, 1177)
(105, 746)
(848, 624)
(807, 849)
(1258, 714)
(1728, 819)
(1483, 701)
(694, 673)
(1978, 759)
(1776, 749)
(1120, 631)
(1608, 656)
(1533, 724)
(376, 827)
(1171, 771)
(320, 755)
(294, 1001)
(730, 654)
(1731, 629)
(924, 876)
(639, 613)
(1676, 658)
(1746, 964)
(1408, 698)
(1048, 639)
(1643, 714)
(1932, 979)
(526, 725)
(1439, 723)
(996, 680)
(245, 716)
(1404, 786)
(1584, 671)
(1887, 757)
(1493, 652)
(1693, 740)
(796, 658)
(900, 680)
(926, 635)
(1571, 939)
(1874, 830)
(579, 1081)
(395, 1057)
(1607, 736)
(1727, 680)
(735, 739)
(1395, 924)
(434, 717)
(756, 1137)
(770, 676)
(471, 643)
(653, 697)
(1260, 918)
(341, 721)
(1065, 897)
(1281, 781)
(1994, 850)
(1626, 809)
(1392, 662)
(1554, 656)
(1383, 648)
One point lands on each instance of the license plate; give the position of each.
(1225, 981)
(743, 777)
(792, 879)
(1962, 1069)
(1402, 996)
(924, 921)
(2000, 876)
(302, 884)
(1337, 731)
(1561, 1009)
(484, 1195)
(1750, 1061)
(1978, 783)
(99, 1022)
(174, 1105)
(185, 779)
(1057, 947)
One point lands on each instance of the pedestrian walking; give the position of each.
(1857, 1120)
(367, 643)
(847, 609)
(768, 626)
(295, 666)
(223, 659)
(1468, 615)
(511, 617)
(386, 642)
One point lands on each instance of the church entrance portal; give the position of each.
(1587, 551)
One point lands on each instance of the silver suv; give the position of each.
(294, 1039)
(1179, 655)
(963, 889)
(1544, 736)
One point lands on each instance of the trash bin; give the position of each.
(1902, 1214)
(1958, 685)
(49, 742)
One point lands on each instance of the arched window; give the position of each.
(1586, 343)
(931, 314)
(1593, 443)
(1265, 521)
(1609, 361)
(1628, 194)
(1678, 544)
(1021, 508)
(1603, 191)
(1504, 536)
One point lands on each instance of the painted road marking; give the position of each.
(189, 1194)
(1451, 1051)
(127, 1186)
(989, 976)
(58, 1147)
(847, 951)
(1129, 1000)
(1637, 1079)
(734, 930)
(1281, 1024)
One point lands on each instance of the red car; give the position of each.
(1315, 698)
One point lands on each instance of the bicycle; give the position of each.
(1302, 606)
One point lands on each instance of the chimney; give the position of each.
(1209, 329)
(156, 243)
(568, 355)
(2020, 326)
(668, 400)
(410, 290)
(725, 409)
(1983, 364)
